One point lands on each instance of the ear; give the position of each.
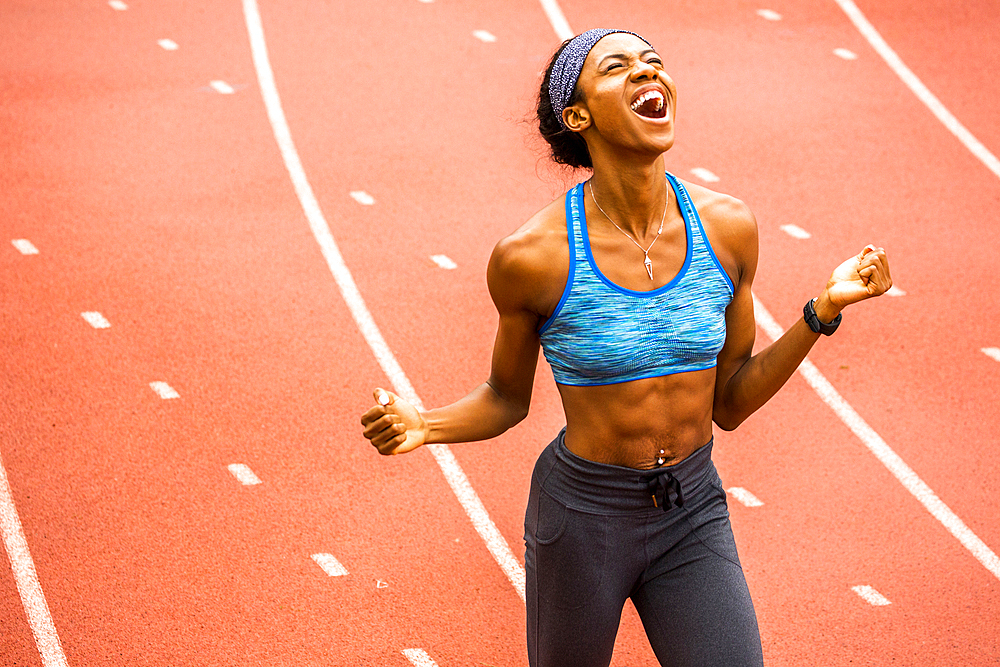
(576, 117)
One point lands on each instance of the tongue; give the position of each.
(649, 110)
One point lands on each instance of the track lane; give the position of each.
(499, 469)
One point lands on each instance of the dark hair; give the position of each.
(566, 147)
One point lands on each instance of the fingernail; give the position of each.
(383, 398)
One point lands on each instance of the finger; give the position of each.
(389, 446)
(383, 397)
(381, 424)
(372, 414)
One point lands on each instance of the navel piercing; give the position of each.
(660, 459)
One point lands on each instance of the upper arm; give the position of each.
(737, 231)
(513, 283)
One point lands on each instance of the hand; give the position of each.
(393, 426)
(861, 277)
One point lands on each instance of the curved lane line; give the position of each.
(882, 451)
(35, 607)
(453, 472)
(917, 86)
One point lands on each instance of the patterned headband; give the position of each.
(569, 64)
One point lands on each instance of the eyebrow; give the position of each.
(623, 56)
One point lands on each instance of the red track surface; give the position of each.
(166, 207)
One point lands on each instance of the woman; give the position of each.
(637, 287)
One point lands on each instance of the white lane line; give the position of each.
(992, 352)
(26, 578)
(118, 5)
(796, 231)
(918, 87)
(745, 497)
(769, 14)
(96, 320)
(883, 452)
(243, 474)
(164, 390)
(381, 584)
(871, 596)
(427, 2)
(222, 87)
(25, 246)
(330, 565)
(444, 261)
(167, 44)
(453, 473)
(705, 175)
(419, 658)
(362, 197)
(895, 291)
(484, 36)
(846, 54)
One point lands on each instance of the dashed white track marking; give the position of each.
(557, 19)
(167, 44)
(164, 390)
(419, 658)
(918, 87)
(26, 578)
(992, 353)
(883, 452)
(25, 246)
(243, 474)
(453, 473)
(484, 36)
(362, 197)
(705, 175)
(427, 2)
(117, 5)
(796, 232)
(846, 54)
(96, 320)
(769, 14)
(222, 87)
(330, 565)
(895, 291)
(745, 497)
(444, 261)
(871, 596)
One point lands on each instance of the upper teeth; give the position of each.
(645, 97)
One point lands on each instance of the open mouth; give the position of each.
(650, 104)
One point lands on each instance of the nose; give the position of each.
(643, 70)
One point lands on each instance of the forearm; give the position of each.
(763, 374)
(481, 415)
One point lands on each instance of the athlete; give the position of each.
(636, 285)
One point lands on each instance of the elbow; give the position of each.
(727, 420)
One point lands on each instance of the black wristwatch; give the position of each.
(809, 312)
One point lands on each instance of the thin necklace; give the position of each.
(648, 263)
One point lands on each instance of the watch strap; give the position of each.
(812, 319)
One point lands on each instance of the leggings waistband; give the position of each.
(601, 488)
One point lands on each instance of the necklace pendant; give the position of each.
(649, 267)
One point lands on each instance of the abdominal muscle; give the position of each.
(627, 424)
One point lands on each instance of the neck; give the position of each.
(631, 193)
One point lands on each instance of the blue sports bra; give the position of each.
(601, 333)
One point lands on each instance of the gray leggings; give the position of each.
(598, 534)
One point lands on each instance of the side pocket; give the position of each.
(570, 553)
(551, 519)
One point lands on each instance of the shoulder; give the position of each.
(731, 228)
(531, 265)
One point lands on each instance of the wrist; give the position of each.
(826, 311)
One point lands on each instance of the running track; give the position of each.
(164, 204)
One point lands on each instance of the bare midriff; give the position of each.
(628, 424)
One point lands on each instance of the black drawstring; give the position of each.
(660, 486)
